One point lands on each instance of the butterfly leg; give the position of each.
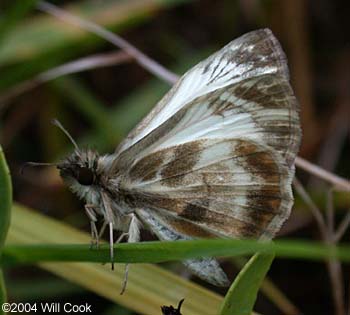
(89, 209)
(121, 236)
(111, 243)
(102, 230)
(133, 235)
(110, 219)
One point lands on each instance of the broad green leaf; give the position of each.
(241, 296)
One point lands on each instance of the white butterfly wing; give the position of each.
(229, 151)
(216, 155)
(253, 54)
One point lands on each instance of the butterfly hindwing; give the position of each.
(231, 187)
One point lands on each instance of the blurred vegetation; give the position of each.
(101, 105)
(5, 214)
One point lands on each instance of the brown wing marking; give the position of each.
(249, 197)
(281, 132)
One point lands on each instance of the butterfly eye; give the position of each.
(85, 176)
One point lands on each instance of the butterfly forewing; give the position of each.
(253, 54)
(262, 109)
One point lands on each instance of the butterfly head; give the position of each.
(82, 173)
(80, 168)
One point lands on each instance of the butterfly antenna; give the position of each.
(59, 125)
(27, 164)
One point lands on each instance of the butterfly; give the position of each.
(214, 158)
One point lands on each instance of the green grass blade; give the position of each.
(5, 213)
(240, 298)
(5, 197)
(156, 252)
(271, 291)
(3, 294)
